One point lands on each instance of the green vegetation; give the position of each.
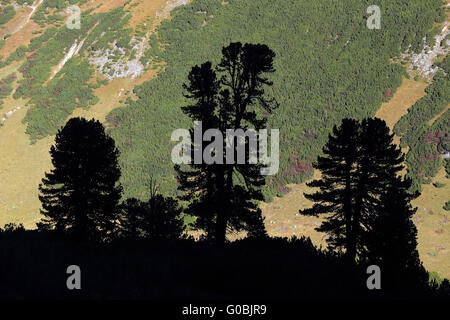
(335, 68)
(108, 30)
(6, 87)
(154, 53)
(439, 184)
(447, 206)
(434, 277)
(329, 66)
(55, 99)
(23, 2)
(426, 142)
(6, 14)
(48, 11)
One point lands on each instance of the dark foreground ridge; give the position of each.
(34, 266)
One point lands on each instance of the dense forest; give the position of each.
(329, 66)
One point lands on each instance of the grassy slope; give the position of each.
(22, 165)
(20, 31)
(430, 217)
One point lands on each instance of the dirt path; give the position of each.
(33, 8)
(20, 29)
(72, 52)
(439, 115)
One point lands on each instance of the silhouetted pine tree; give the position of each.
(379, 164)
(222, 196)
(360, 162)
(337, 185)
(80, 195)
(197, 181)
(391, 238)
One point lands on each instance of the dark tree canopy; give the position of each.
(159, 218)
(360, 163)
(80, 195)
(390, 239)
(223, 196)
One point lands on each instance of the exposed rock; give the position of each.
(72, 51)
(122, 67)
(422, 62)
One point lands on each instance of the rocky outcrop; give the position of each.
(422, 63)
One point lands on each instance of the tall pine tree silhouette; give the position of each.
(360, 162)
(337, 186)
(222, 195)
(80, 195)
(390, 238)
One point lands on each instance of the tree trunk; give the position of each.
(348, 211)
(222, 221)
